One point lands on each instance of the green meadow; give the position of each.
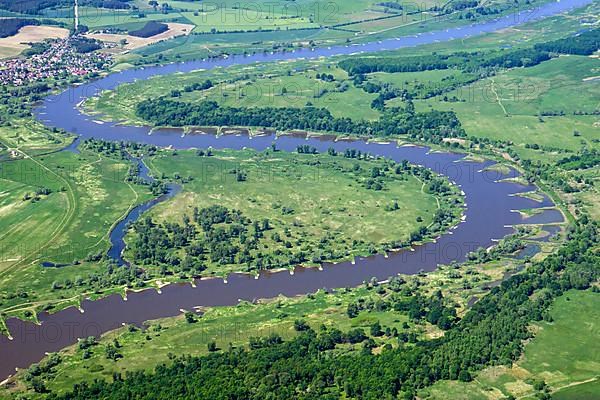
(512, 105)
(58, 208)
(564, 354)
(282, 85)
(317, 203)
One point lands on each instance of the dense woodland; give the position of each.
(432, 126)
(11, 26)
(36, 6)
(492, 332)
(150, 29)
(583, 44)
(584, 160)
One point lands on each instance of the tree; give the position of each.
(376, 329)
(190, 317)
(212, 346)
(301, 325)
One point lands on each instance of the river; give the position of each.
(488, 213)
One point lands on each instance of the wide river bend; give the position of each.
(489, 213)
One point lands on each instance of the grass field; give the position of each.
(333, 214)
(86, 195)
(294, 90)
(281, 85)
(31, 136)
(564, 354)
(422, 83)
(584, 391)
(508, 106)
(245, 20)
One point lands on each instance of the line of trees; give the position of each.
(432, 125)
(150, 29)
(10, 26)
(36, 6)
(584, 44)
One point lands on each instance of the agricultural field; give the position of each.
(13, 45)
(271, 24)
(133, 42)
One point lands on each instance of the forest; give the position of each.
(583, 44)
(11, 26)
(492, 332)
(150, 29)
(36, 6)
(432, 126)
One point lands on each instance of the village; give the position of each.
(59, 58)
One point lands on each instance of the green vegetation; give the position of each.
(250, 211)
(532, 100)
(491, 332)
(493, 327)
(58, 208)
(563, 355)
(150, 29)
(584, 391)
(361, 308)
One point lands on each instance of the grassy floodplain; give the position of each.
(321, 206)
(280, 85)
(57, 208)
(517, 101)
(534, 101)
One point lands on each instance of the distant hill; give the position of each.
(35, 6)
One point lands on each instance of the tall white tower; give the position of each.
(76, 15)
